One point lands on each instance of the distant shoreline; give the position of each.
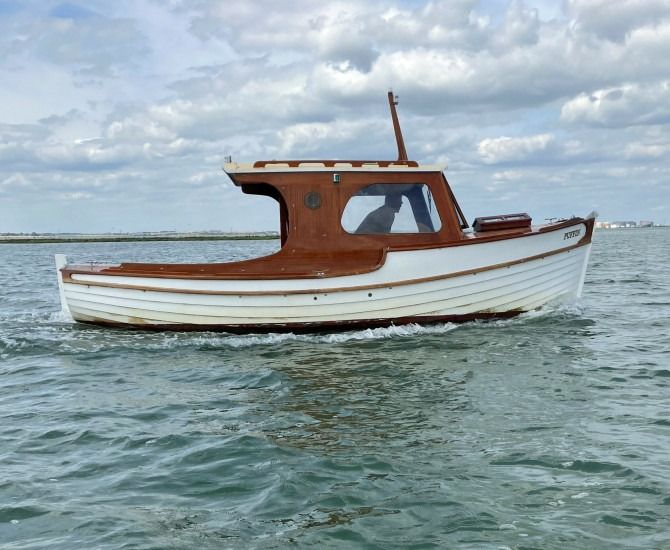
(133, 237)
(22, 238)
(659, 226)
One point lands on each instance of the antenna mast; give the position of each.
(393, 101)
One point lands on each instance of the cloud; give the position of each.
(521, 28)
(73, 36)
(615, 22)
(515, 75)
(507, 175)
(307, 138)
(77, 196)
(87, 155)
(647, 151)
(13, 182)
(621, 106)
(508, 149)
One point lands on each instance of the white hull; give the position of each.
(458, 282)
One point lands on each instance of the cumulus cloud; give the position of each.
(307, 138)
(508, 149)
(615, 22)
(621, 106)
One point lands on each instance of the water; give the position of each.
(547, 431)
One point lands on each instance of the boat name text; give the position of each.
(571, 234)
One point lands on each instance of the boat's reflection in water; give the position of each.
(388, 396)
(363, 396)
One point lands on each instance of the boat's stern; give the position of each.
(61, 262)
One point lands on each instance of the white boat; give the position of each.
(364, 244)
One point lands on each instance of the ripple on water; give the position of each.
(16, 514)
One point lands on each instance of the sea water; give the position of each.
(551, 430)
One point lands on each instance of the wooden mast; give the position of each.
(393, 101)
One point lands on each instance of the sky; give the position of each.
(117, 116)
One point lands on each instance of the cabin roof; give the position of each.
(272, 166)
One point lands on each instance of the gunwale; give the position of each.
(310, 265)
(67, 278)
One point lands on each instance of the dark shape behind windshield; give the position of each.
(384, 208)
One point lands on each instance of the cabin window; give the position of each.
(385, 208)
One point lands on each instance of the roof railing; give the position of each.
(336, 163)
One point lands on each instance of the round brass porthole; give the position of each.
(313, 200)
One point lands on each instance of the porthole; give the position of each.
(313, 200)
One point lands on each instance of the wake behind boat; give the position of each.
(363, 244)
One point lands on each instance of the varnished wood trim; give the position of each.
(68, 279)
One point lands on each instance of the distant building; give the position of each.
(623, 224)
